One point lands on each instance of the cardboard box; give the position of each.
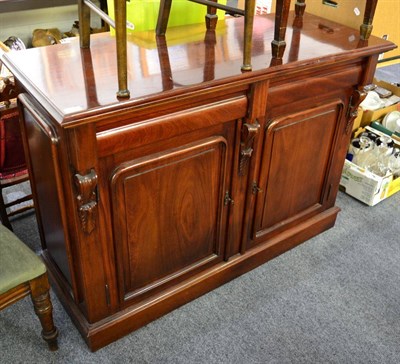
(372, 115)
(366, 186)
(358, 119)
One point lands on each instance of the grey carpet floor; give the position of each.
(333, 299)
(390, 73)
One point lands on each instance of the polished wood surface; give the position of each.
(59, 72)
(211, 22)
(203, 174)
(278, 44)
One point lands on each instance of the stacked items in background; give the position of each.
(372, 168)
(375, 153)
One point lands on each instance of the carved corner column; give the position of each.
(86, 186)
(87, 237)
(248, 134)
(247, 157)
(250, 129)
(258, 96)
(355, 100)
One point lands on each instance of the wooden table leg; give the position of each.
(281, 19)
(366, 27)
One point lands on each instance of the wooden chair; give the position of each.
(22, 273)
(211, 22)
(281, 18)
(13, 169)
(278, 44)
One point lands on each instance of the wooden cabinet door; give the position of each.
(295, 178)
(169, 217)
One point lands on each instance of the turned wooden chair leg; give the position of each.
(211, 17)
(120, 34)
(44, 310)
(122, 55)
(299, 7)
(84, 24)
(366, 27)
(281, 19)
(293, 55)
(3, 212)
(210, 41)
(165, 65)
(162, 21)
(248, 34)
(211, 22)
(89, 78)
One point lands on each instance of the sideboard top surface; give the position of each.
(72, 83)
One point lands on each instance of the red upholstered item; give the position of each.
(12, 158)
(13, 169)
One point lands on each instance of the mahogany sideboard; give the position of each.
(206, 172)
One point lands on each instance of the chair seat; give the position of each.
(18, 264)
(6, 178)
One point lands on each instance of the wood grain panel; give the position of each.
(167, 210)
(297, 156)
(44, 168)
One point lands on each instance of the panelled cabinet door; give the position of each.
(295, 169)
(169, 215)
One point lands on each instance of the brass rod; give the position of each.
(100, 13)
